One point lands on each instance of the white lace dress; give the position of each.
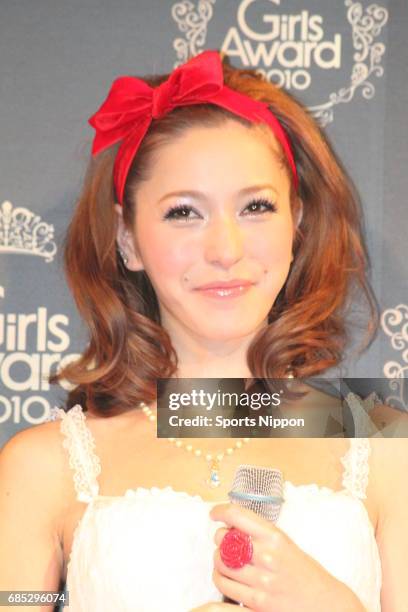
(115, 564)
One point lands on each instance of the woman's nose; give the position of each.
(224, 242)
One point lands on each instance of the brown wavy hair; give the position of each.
(307, 329)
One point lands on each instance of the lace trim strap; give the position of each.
(356, 467)
(364, 427)
(79, 442)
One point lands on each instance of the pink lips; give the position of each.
(222, 289)
(236, 282)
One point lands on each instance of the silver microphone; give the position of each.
(259, 489)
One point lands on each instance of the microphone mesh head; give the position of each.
(259, 489)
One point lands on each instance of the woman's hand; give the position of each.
(217, 606)
(281, 577)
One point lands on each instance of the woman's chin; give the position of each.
(229, 332)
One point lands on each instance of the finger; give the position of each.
(227, 606)
(219, 534)
(218, 607)
(256, 576)
(243, 574)
(254, 599)
(243, 519)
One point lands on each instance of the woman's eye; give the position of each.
(179, 212)
(182, 211)
(255, 206)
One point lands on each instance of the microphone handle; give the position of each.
(237, 484)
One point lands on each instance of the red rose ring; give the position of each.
(236, 548)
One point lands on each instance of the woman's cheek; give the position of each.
(274, 252)
(164, 262)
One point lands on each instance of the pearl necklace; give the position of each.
(213, 460)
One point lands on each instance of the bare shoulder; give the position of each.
(32, 494)
(34, 475)
(37, 452)
(387, 453)
(33, 442)
(389, 467)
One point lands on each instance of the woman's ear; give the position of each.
(126, 244)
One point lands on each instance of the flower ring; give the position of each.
(236, 548)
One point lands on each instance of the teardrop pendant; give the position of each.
(214, 479)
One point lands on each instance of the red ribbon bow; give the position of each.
(131, 105)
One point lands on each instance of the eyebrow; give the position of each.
(192, 193)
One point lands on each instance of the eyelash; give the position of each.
(172, 212)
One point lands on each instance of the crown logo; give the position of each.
(21, 231)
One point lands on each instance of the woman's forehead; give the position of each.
(230, 152)
(223, 137)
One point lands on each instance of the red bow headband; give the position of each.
(131, 105)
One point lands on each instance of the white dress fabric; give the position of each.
(151, 550)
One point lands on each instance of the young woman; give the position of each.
(216, 235)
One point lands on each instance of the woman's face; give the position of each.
(230, 221)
